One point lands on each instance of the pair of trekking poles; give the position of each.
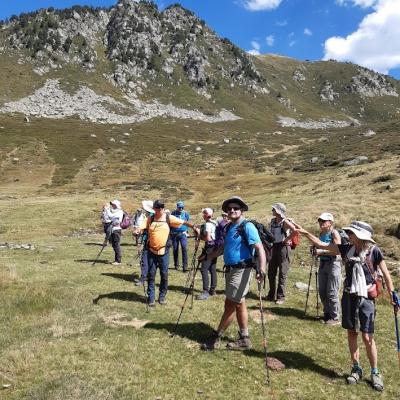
(314, 263)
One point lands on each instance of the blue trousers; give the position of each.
(144, 264)
(155, 262)
(180, 238)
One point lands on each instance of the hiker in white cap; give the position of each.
(282, 229)
(329, 271)
(112, 214)
(208, 266)
(364, 267)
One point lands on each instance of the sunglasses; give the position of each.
(235, 208)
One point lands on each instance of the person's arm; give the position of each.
(386, 275)
(328, 248)
(262, 260)
(292, 227)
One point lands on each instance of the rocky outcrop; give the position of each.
(327, 94)
(310, 124)
(371, 84)
(51, 101)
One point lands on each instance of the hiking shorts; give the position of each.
(237, 283)
(358, 313)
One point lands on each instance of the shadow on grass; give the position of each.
(109, 245)
(124, 277)
(196, 331)
(123, 296)
(91, 261)
(296, 360)
(290, 312)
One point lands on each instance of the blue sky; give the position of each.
(365, 32)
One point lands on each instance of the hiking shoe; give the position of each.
(204, 296)
(355, 376)
(242, 343)
(279, 301)
(332, 322)
(162, 301)
(116, 263)
(212, 292)
(214, 342)
(377, 382)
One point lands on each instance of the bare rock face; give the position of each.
(298, 76)
(371, 84)
(356, 161)
(327, 94)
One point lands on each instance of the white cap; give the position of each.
(208, 211)
(116, 203)
(326, 217)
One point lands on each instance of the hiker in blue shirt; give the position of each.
(179, 236)
(241, 243)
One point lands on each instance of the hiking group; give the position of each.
(248, 249)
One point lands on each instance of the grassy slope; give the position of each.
(55, 344)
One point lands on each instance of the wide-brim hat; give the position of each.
(280, 209)
(362, 230)
(325, 216)
(147, 205)
(237, 200)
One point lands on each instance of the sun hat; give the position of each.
(325, 216)
(159, 204)
(362, 230)
(237, 200)
(180, 204)
(280, 209)
(116, 203)
(147, 205)
(208, 211)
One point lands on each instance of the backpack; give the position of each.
(126, 221)
(344, 239)
(295, 241)
(220, 232)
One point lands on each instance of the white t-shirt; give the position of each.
(210, 227)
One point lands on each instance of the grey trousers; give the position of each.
(329, 274)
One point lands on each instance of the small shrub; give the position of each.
(383, 178)
(356, 174)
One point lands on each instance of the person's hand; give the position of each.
(395, 301)
(313, 251)
(196, 230)
(202, 257)
(260, 276)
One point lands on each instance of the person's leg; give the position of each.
(323, 273)
(283, 272)
(163, 264)
(352, 337)
(144, 267)
(183, 241)
(151, 276)
(227, 316)
(205, 265)
(242, 316)
(116, 244)
(214, 278)
(370, 347)
(332, 290)
(175, 248)
(272, 271)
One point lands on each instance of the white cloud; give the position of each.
(270, 40)
(281, 23)
(292, 43)
(360, 3)
(255, 51)
(373, 44)
(290, 35)
(258, 5)
(307, 32)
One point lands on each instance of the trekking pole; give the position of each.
(395, 298)
(267, 381)
(184, 302)
(144, 283)
(308, 289)
(316, 284)
(193, 263)
(98, 255)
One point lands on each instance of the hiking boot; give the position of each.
(214, 342)
(162, 301)
(204, 296)
(242, 343)
(116, 263)
(355, 376)
(377, 382)
(212, 292)
(332, 322)
(152, 303)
